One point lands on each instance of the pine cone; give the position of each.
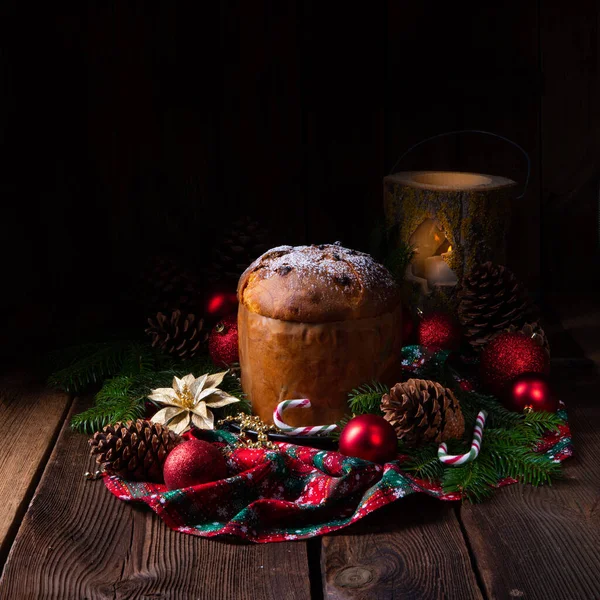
(178, 333)
(423, 411)
(491, 299)
(533, 330)
(135, 449)
(245, 241)
(166, 285)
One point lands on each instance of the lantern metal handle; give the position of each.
(500, 137)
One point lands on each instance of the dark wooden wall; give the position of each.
(131, 128)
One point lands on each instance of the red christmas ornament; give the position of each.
(220, 304)
(439, 331)
(507, 356)
(193, 462)
(369, 437)
(531, 391)
(223, 342)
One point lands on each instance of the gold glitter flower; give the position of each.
(189, 402)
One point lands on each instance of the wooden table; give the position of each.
(64, 537)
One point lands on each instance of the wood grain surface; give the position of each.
(78, 541)
(545, 542)
(412, 549)
(30, 419)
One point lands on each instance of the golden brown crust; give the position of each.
(317, 284)
(320, 361)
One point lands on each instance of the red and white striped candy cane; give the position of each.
(281, 424)
(461, 459)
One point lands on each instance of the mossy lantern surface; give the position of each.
(454, 220)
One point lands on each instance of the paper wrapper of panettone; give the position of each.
(314, 322)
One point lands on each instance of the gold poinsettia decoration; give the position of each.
(189, 402)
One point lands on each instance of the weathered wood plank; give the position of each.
(79, 541)
(412, 549)
(545, 542)
(30, 419)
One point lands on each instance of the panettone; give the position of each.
(314, 322)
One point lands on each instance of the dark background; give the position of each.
(130, 129)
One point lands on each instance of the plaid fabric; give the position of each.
(291, 493)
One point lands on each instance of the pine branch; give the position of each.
(115, 389)
(366, 399)
(64, 357)
(139, 358)
(541, 421)
(97, 417)
(424, 463)
(524, 465)
(398, 259)
(475, 480)
(91, 368)
(498, 416)
(124, 396)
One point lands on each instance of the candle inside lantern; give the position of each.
(437, 271)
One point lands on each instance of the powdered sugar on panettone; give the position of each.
(330, 265)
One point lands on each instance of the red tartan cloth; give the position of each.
(290, 493)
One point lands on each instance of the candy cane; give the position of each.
(281, 424)
(461, 459)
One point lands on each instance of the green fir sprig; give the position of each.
(367, 398)
(398, 259)
(93, 364)
(128, 371)
(507, 450)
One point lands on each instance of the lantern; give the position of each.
(452, 219)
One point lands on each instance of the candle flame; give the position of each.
(450, 248)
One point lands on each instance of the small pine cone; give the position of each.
(178, 333)
(491, 299)
(533, 330)
(423, 411)
(243, 243)
(135, 449)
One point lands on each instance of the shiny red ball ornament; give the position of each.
(439, 331)
(507, 356)
(531, 391)
(193, 462)
(223, 342)
(220, 304)
(369, 437)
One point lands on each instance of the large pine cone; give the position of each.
(423, 411)
(243, 243)
(491, 299)
(178, 333)
(135, 449)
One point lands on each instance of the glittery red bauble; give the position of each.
(507, 356)
(220, 304)
(369, 437)
(439, 331)
(531, 391)
(193, 462)
(223, 342)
